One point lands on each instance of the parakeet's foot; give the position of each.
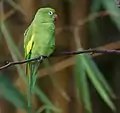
(40, 59)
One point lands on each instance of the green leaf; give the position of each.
(96, 82)
(11, 94)
(81, 82)
(99, 76)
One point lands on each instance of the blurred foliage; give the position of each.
(85, 68)
(11, 93)
(109, 9)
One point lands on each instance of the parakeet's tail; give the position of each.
(34, 69)
(31, 70)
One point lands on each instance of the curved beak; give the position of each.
(55, 17)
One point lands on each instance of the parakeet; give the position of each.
(39, 40)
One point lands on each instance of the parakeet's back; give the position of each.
(40, 36)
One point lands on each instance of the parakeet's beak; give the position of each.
(55, 17)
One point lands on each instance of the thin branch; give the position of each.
(19, 62)
(92, 51)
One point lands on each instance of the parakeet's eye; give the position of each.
(50, 12)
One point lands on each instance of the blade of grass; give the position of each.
(81, 83)
(101, 78)
(97, 84)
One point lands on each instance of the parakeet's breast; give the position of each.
(44, 39)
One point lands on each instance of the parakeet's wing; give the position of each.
(28, 45)
(31, 68)
(27, 38)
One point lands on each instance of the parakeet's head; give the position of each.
(45, 15)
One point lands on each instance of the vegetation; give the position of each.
(82, 68)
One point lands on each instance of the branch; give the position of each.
(92, 51)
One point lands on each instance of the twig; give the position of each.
(18, 62)
(92, 51)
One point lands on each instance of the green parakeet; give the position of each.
(39, 40)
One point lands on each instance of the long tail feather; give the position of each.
(28, 73)
(29, 90)
(35, 67)
(31, 71)
(34, 75)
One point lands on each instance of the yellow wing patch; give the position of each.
(29, 45)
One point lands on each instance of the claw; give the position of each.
(40, 59)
